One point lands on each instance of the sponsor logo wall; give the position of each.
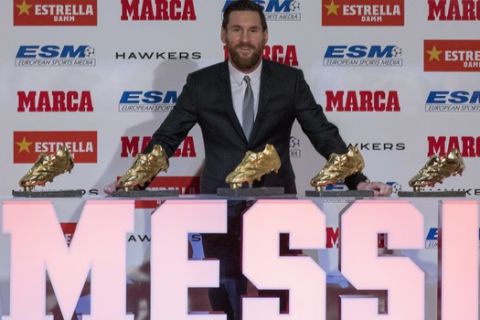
(398, 77)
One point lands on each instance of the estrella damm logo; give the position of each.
(452, 55)
(55, 56)
(363, 12)
(27, 145)
(55, 12)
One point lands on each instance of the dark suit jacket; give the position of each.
(206, 99)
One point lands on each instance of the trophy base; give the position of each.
(340, 194)
(49, 194)
(145, 193)
(251, 192)
(432, 194)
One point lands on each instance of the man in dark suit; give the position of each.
(284, 96)
(213, 98)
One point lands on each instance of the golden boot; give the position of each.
(144, 168)
(338, 167)
(436, 169)
(254, 166)
(46, 168)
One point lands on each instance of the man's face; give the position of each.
(245, 39)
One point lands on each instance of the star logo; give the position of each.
(434, 54)
(332, 8)
(24, 145)
(24, 8)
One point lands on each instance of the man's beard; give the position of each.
(244, 64)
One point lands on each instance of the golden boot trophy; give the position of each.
(144, 168)
(46, 168)
(253, 166)
(338, 167)
(436, 169)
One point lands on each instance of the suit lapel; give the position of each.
(265, 90)
(226, 92)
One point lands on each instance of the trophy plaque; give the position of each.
(435, 171)
(44, 170)
(253, 167)
(337, 168)
(144, 168)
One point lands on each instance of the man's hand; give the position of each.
(110, 188)
(378, 188)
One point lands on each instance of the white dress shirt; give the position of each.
(239, 85)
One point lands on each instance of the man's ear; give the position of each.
(265, 33)
(223, 35)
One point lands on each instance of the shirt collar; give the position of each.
(236, 76)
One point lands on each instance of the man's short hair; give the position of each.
(243, 5)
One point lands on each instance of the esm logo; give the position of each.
(277, 10)
(362, 101)
(131, 146)
(453, 10)
(55, 56)
(363, 56)
(173, 10)
(453, 101)
(147, 101)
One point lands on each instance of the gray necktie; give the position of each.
(247, 109)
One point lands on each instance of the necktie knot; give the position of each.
(247, 109)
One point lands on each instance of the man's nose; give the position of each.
(244, 37)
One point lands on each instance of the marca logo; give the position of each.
(55, 56)
(282, 54)
(452, 55)
(362, 101)
(55, 12)
(453, 10)
(54, 101)
(379, 146)
(453, 101)
(363, 12)
(185, 185)
(333, 238)
(363, 56)
(277, 10)
(147, 101)
(68, 229)
(469, 146)
(157, 55)
(133, 145)
(27, 145)
(174, 10)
